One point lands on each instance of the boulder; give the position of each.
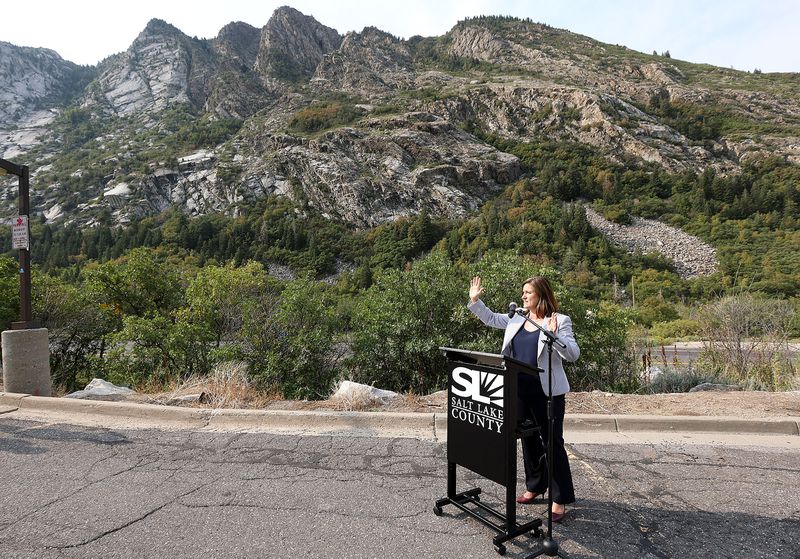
(352, 391)
(99, 389)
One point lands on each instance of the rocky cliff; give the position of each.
(35, 85)
(365, 127)
(293, 44)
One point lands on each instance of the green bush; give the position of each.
(78, 328)
(299, 353)
(617, 213)
(606, 361)
(653, 310)
(673, 380)
(401, 320)
(678, 329)
(324, 115)
(9, 292)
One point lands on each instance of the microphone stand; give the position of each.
(549, 545)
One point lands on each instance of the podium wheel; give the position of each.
(437, 511)
(501, 549)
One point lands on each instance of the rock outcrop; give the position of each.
(35, 85)
(293, 44)
(162, 68)
(394, 168)
(33, 80)
(364, 128)
(234, 89)
(371, 62)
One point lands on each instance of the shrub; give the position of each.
(673, 380)
(402, 320)
(291, 343)
(323, 116)
(616, 213)
(607, 359)
(654, 310)
(77, 327)
(9, 291)
(681, 328)
(748, 341)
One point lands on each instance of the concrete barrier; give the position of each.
(26, 361)
(414, 425)
(707, 424)
(11, 398)
(113, 414)
(440, 426)
(429, 426)
(586, 422)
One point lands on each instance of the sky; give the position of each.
(740, 34)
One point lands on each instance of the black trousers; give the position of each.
(533, 405)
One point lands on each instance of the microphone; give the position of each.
(512, 309)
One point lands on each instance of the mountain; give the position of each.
(36, 85)
(365, 127)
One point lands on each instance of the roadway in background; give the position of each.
(684, 353)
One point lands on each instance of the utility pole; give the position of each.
(20, 239)
(26, 347)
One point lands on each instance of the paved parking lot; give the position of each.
(71, 492)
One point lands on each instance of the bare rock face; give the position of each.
(150, 76)
(234, 89)
(394, 168)
(406, 144)
(371, 62)
(164, 68)
(31, 78)
(34, 86)
(238, 43)
(293, 44)
(391, 168)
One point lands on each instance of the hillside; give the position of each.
(366, 126)
(289, 206)
(366, 129)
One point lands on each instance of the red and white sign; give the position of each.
(19, 233)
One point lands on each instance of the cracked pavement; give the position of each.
(73, 492)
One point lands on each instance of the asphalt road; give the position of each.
(683, 353)
(70, 492)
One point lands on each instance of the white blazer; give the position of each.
(512, 326)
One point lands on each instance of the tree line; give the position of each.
(170, 296)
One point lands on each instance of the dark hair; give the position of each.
(547, 299)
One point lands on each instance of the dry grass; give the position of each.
(404, 402)
(228, 386)
(436, 402)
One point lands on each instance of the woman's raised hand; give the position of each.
(475, 289)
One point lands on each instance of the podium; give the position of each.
(482, 433)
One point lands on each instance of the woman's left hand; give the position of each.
(552, 323)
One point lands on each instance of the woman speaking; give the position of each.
(523, 342)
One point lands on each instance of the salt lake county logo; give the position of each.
(477, 398)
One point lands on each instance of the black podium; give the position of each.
(482, 433)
